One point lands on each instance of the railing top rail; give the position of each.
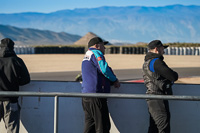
(101, 95)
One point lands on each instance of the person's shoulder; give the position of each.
(159, 63)
(97, 53)
(154, 61)
(17, 60)
(158, 60)
(89, 53)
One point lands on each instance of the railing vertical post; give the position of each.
(56, 102)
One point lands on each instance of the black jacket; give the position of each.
(13, 73)
(163, 74)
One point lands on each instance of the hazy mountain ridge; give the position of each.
(27, 36)
(174, 23)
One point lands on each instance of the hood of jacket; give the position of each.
(151, 55)
(7, 52)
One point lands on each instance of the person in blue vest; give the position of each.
(97, 77)
(158, 78)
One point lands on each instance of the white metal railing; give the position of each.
(56, 96)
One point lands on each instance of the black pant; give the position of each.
(159, 116)
(96, 115)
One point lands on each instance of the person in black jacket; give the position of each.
(13, 73)
(158, 79)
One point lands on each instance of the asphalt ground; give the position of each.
(123, 75)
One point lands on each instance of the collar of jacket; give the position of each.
(92, 49)
(151, 55)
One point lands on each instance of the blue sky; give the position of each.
(47, 6)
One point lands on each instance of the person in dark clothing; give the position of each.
(13, 73)
(158, 79)
(97, 78)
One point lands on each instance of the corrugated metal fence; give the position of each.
(109, 50)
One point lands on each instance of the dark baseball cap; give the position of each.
(96, 40)
(155, 43)
(7, 42)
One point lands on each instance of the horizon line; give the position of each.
(94, 8)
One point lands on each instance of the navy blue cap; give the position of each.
(155, 43)
(96, 40)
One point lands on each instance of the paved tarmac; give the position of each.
(65, 67)
(39, 63)
(123, 75)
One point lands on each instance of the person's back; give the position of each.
(97, 78)
(93, 77)
(13, 73)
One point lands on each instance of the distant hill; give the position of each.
(174, 23)
(24, 36)
(86, 38)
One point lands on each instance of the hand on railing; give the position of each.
(117, 84)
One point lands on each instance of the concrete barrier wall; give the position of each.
(127, 115)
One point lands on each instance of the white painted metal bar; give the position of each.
(102, 95)
(56, 110)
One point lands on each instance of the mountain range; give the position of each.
(28, 36)
(173, 23)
